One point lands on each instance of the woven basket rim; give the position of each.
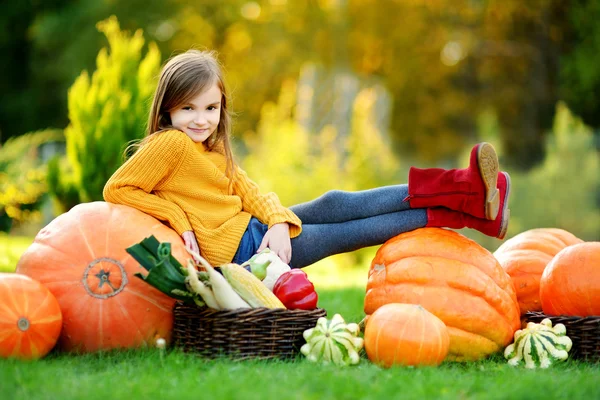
(249, 311)
(570, 318)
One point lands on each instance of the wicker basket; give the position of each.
(258, 333)
(584, 332)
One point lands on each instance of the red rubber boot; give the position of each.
(442, 217)
(471, 190)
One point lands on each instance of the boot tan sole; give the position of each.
(505, 210)
(487, 161)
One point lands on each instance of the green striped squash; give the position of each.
(539, 345)
(333, 341)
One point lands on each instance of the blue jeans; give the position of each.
(339, 222)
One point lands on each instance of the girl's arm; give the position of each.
(155, 162)
(266, 207)
(282, 222)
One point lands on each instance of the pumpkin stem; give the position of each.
(23, 324)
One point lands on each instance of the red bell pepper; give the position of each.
(295, 290)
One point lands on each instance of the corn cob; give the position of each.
(249, 287)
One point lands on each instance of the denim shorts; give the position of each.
(250, 241)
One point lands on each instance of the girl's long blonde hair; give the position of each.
(182, 78)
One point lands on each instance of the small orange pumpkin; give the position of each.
(570, 284)
(405, 334)
(30, 318)
(524, 258)
(455, 279)
(80, 256)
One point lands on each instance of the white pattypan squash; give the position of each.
(538, 345)
(333, 341)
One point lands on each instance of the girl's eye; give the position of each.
(211, 108)
(186, 108)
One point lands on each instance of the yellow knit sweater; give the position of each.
(181, 183)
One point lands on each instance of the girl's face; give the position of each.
(199, 117)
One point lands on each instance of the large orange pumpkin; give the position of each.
(30, 318)
(524, 258)
(454, 278)
(570, 284)
(80, 256)
(405, 334)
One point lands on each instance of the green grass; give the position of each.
(146, 374)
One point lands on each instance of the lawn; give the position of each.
(150, 374)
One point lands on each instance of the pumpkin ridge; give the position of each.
(376, 346)
(412, 246)
(77, 313)
(14, 303)
(474, 318)
(566, 237)
(422, 323)
(408, 319)
(146, 298)
(33, 349)
(47, 320)
(40, 309)
(86, 242)
(6, 320)
(54, 248)
(5, 309)
(5, 334)
(46, 337)
(481, 279)
(128, 318)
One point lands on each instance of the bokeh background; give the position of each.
(327, 94)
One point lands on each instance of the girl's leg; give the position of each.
(338, 206)
(318, 241)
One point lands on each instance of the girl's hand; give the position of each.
(190, 242)
(277, 239)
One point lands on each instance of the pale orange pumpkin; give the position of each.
(80, 256)
(30, 318)
(524, 258)
(405, 334)
(570, 284)
(455, 279)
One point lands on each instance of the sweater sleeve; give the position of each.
(154, 163)
(266, 207)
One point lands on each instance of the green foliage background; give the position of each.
(23, 177)
(443, 62)
(417, 83)
(106, 112)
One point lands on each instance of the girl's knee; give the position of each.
(333, 197)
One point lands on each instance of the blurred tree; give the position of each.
(48, 43)
(580, 75)
(20, 111)
(106, 112)
(447, 61)
(306, 165)
(23, 177)
(443, 61)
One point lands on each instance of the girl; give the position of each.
(183, 173)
